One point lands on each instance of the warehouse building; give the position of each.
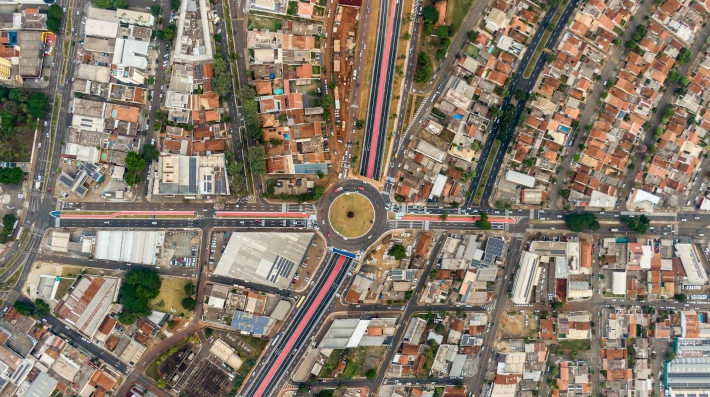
(137, 247)
(266, 258)
(88, 303)
(688, 373)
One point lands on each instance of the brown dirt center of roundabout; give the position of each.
(351, 215)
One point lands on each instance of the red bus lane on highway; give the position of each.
(381, 89)
(297, 332)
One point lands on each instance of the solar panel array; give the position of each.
(280, 267)
(494, 248)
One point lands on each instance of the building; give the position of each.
(265, 258)
(520, 179)
(353, 332)
(225, 353)
(526, 278)
(688, 373)
(139, 247)
(88, 303)
(191, 176)
(691, 263)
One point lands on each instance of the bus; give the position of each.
(273, 342)
(19, 233)
(300, 301)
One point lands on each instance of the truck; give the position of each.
(216, 20)
(354, 74)
(653, 353)
(337, 104)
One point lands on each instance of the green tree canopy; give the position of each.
(398, 251)
(482, 222)
(442, 31)
(139, 287)
(150, 153)
(41, 307)
(11, 175)
(190, 289)
(189, 304)
(22, 308)
(638, 225)
(430, 14)
(580, 222)
(256, 158)
(155, 10)
(371, 374)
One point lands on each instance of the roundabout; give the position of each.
(351, 215)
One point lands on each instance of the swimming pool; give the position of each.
(563, 128)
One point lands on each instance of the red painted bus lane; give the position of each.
(301, 326)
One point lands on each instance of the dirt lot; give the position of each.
(513, 325)
(358, 361)
(378, 266)
(208, 380)
(344, 79)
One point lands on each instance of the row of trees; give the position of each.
(54, 18)
(424, 69)
(41, 308)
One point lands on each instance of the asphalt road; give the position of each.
(260, 375)
(518, 83)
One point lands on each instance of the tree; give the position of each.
(41, 307)
(257, 162)
(222, 82)
(53, 25)
(442, 32)
(190, 289)
(11, 175)
(554, 372)
(360, 124)
(22, 308)
(520, 95)
(482, 222)
(398, 251)
(139, 287)
(169, 33)
(303, 388)
(189, 304)
(565, 193)
(684, 56)
(556, 304)
(150, 153)
(8, 221)
(472, 35)
(579, 222)
(430, 14)
(638, 225)
(155, 10)
(406, 36)
(674, 76)
(680, 298)
(327, 102)
(161, 383)
(371, 374)
(134, 164)
(443, 216)
(174, 5)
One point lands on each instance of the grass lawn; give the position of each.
(471, 50)
(63, 287)
(457, 11)
(257, 343)
(260, 22)
(171, 295)
(486, 173)
(351, 215)
(574, 345)
(75, 271)
(152, 370)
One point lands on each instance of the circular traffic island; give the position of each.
(351, 215)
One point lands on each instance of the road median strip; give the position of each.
(486, 172)
(543, 41)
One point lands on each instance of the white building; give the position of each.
(526, 278)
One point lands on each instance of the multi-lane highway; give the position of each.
(381, 90)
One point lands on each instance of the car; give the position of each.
(45, 123)
(361, 188)
(152, 142)
(328, 234)
(49, 189)
(337, 189)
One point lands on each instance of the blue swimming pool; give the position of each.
(563, 128)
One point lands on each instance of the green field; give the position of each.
(486, 172)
